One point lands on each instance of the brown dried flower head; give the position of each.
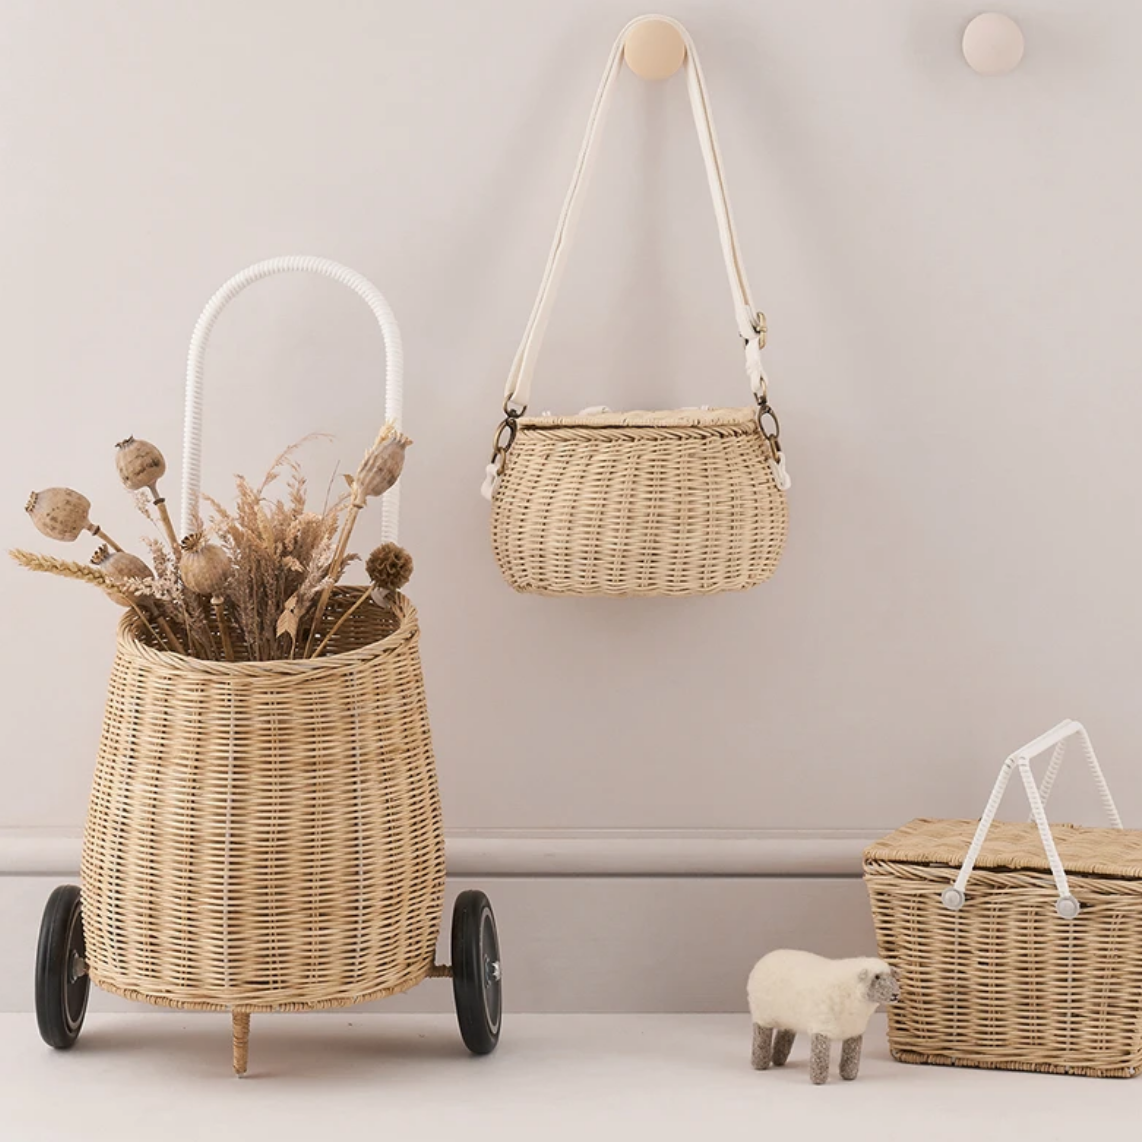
(389, 567)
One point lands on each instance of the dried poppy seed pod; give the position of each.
(381, 467)
(389, 567)
(120, 565)
(205, 567)
(140, 465)
(379, 471)
(63, 513)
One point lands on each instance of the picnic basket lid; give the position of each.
(1013, 845)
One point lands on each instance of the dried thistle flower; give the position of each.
(63, 514)
(389, 567)
(141, 466)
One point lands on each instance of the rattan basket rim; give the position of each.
(648, 418)
(1012, 845)
(170, 662)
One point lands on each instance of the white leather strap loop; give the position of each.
(518, 389)
(192, 423)
(1055, 739)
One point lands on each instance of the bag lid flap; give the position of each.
(649, 418)
(1014, 845)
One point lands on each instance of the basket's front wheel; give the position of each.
(476, 973)
(62, 983)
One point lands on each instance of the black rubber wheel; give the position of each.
(476, 974)
(62, 984)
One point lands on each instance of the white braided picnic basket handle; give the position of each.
(192, 424)
(1057, 739)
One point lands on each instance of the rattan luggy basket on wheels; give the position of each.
(266, 836)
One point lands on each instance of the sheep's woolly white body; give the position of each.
(805, 993)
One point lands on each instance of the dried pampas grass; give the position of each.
(280, 554)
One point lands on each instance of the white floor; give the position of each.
(340, 1078)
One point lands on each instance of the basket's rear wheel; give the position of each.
(62, 983)
(476, 972)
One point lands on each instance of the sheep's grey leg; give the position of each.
(782, 1045)
(819, 1059)
(850, 1058)
(762, 1054)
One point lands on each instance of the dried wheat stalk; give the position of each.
(129, 588)
(66, 568)
(280, 554)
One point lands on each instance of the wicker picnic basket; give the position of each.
(267, 836)
(1039, 966)
(674, 502)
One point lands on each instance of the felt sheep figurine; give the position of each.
(798, 992)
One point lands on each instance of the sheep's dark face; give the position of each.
(883, 987)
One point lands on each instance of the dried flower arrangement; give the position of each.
(252, 585)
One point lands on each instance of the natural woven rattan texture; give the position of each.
(266, 835)
(664, 503)
(1005, 982)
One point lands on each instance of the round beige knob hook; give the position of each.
(654, 48)
(993, 44)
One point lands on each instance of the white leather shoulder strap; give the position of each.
(750, 324)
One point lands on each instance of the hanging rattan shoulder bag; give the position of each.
(683, 502)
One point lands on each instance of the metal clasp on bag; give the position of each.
(501, 446)
(771, 434)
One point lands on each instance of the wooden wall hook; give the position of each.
(654, 48)
(993, 44)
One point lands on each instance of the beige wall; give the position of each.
(949, 265)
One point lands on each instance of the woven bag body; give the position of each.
(1004, 980)
(681, 503)
(266, 835)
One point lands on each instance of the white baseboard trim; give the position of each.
(574, 944)
(551, 853)
(587, 913)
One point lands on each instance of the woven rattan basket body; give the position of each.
(266, 835)
(663, 503)
(1005, 982)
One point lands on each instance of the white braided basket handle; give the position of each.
(1055, 739)
(192, 424)
(749, 322)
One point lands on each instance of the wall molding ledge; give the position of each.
(476, 853)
